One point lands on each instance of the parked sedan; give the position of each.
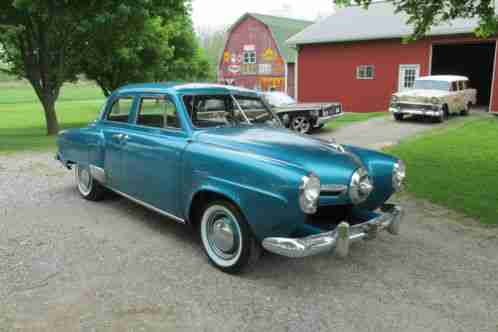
(435, 96)
(217, 158)
(302, 117)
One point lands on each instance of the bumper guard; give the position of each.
(338, 239)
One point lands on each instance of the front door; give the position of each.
(114, 127)
(153, 153)
(407, 76)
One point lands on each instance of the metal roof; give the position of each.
(446, 78)
(379, 21)
(282, 28)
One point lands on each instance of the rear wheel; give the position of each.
(398, 116)
(466, 111)
(226, 237)
(87, 187)
(301, 124)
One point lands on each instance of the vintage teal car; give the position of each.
(217, 158)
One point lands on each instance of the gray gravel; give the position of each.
(67, 264)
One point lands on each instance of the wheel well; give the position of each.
(200, 200)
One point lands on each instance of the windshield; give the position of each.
(207, 111)
(432, 85)
(279, 99)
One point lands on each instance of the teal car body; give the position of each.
(259, 167)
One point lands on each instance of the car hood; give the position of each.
(420, 95)
(307, 153)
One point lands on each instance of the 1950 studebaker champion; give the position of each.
(217, 158)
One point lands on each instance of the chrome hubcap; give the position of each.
(222, 235)
(301, 124)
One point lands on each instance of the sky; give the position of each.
(223, 13)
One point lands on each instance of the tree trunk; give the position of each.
(50, 116)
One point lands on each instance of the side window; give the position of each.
(120, 109)
(365, 72)
(463, 85)
(158, 112)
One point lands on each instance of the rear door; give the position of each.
(115, 126)
(153, 152)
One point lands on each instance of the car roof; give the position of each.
(185, 88)
(446, 78)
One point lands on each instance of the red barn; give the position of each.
(256, 55)
(358, 57)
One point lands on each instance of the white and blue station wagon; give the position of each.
(217, 158)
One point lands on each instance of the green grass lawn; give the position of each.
(349, 118)
(22, 124)
(456, 167)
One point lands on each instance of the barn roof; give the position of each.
(379, 21)
(282, 29)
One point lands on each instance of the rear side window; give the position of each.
(120, 110)
(158, 112)
(463, 85)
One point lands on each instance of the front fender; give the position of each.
(380, 167)
(266, 192)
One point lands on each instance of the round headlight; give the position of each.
(315, 113)
(309, 193)
(399, 174)
(435, 100)
(360, 187)
(394, 99)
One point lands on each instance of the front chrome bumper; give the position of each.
(423, 112)
(338, 239)
(324, 119)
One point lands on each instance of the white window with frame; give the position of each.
(249, 57)
(407, 76)
(365, 72)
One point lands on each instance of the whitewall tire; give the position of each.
(226, 237)
(87, 186)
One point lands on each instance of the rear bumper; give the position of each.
(323, 120)
(340, 238)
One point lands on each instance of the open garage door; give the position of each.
(475, 61)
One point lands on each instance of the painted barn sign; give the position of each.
(255, 54)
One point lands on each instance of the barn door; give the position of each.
(407, 76)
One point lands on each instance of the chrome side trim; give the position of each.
(98, 174)
(339, 238)
(148, 206)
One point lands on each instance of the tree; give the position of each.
(423, 14)
(156, 46)
(48, 41)
(212, 42)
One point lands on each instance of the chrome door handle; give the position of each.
(118, 136)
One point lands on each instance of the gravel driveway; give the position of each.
(71, 265)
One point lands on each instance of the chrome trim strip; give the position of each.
(333, 188)
(338, 239)
(148, 206)
(98, 174)
(325, 119)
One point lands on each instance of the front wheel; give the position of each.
(226, 237)
(301, 124)
(87, 186)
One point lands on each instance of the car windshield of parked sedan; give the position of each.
(279, 99)
(432, 85)
(207, 111)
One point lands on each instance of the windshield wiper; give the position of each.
(240, 110)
